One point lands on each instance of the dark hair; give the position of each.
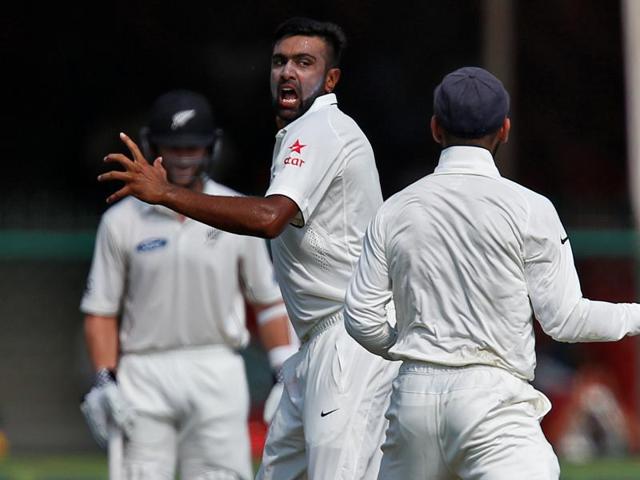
(328, 31)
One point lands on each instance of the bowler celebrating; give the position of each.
(324, 190)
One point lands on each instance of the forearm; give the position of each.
(369, 295)
(254, 216)
(101, 338)
(370, 329)
(594, 321)
(276, 333)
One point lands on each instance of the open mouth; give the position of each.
(288, 97)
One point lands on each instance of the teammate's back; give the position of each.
(472, 229)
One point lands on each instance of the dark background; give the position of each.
(73, 76)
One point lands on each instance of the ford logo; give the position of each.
(151, 244)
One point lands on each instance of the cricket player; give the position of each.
(165, 308)
(470, 259)
(324, 190)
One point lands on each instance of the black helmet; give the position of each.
(181, 118)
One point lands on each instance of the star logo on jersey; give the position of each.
(297, 147)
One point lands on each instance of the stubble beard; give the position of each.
(305, 104)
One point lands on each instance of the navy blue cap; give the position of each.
(181, 118)
(470, 103)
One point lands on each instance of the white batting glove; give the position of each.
(273, 400)
(104, 404)
(277, 356)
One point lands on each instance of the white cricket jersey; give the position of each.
(470, 258)
(175, 283)
(325, 164)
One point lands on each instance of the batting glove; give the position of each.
(273, 399)
(104, 404)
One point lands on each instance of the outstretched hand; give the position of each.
(144, 181)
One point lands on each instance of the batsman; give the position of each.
(165, 319)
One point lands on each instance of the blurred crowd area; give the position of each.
(80, 76)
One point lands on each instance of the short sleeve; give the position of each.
(306, 165)
(257, 275)
(107, 277)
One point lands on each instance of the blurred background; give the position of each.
(74, 75)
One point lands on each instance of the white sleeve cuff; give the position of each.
(271, 313)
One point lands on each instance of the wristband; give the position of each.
(104, 376)
(271, 313)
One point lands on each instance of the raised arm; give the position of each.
(258, 216)
(554, 288)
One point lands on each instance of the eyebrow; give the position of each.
(295, 56)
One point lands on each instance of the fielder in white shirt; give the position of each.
(165, 308)
(324, 190)
(470, 259)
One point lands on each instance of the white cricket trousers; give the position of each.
(191, 410)
(472, 423)
(330, 421)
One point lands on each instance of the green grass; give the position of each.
(67, 467)
(88, 467)
(609, 469)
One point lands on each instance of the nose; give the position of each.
(287, 70)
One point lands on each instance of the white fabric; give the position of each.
(149, 268)
(278, 355)
(324, 163)
(470, 257)
(192, 408)
(472, 423)
(104, 405)
(272, 402)
(329, 424)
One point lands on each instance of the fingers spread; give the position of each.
(123, 160)
(133, 148)
(114, 175)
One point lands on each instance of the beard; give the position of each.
(288, 115)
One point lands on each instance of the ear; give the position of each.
(331, 79)
(436, 130)
(503, 133)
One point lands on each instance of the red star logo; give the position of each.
(297, 147)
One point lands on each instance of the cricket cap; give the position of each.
(470, 103)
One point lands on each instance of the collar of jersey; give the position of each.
(469, 160)
(319, 103)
